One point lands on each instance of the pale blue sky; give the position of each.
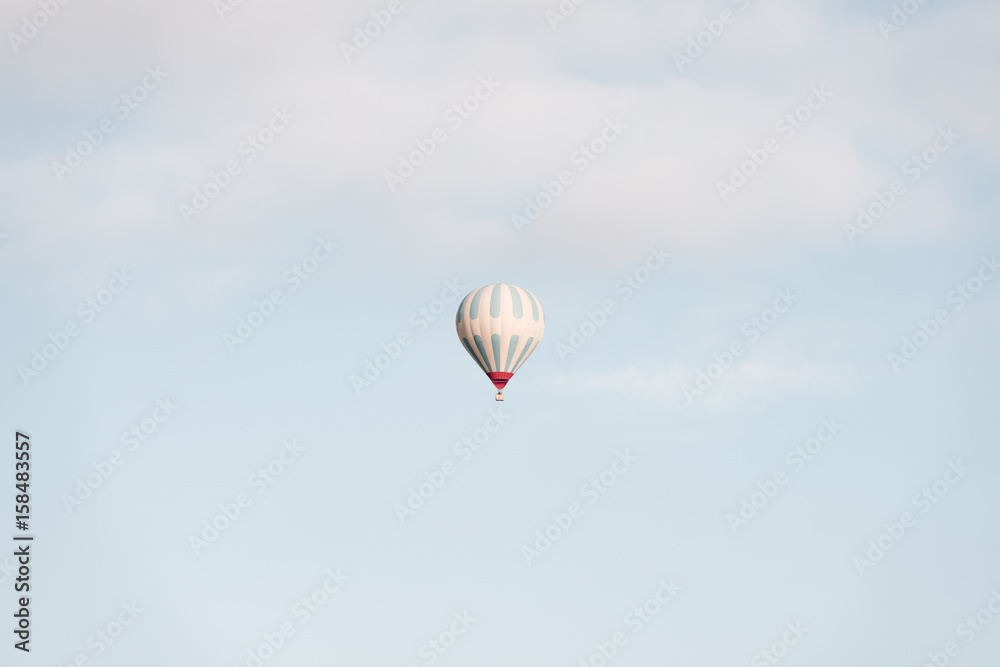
(656, 185)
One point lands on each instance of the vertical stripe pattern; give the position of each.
(500, 326)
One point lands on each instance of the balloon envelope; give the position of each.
(500, 325)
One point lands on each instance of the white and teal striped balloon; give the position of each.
(500, 325)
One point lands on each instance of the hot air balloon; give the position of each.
(500, 325)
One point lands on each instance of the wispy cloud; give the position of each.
(742, 384)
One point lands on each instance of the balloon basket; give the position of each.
(499, 396)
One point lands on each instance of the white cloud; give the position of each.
(747, 381)
(657, 183)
